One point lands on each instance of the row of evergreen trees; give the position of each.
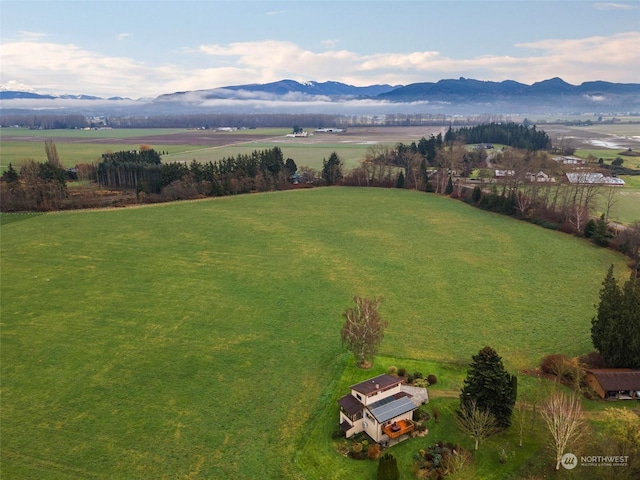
(126, 169)
(143, 170)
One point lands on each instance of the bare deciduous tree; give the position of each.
(52, 152)
(610, 196)
(521, 417)
(363, 329)
(477, 423)
(562, 414)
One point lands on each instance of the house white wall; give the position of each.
(357, 426)
(375, 396)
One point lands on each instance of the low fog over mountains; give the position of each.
(459, 96)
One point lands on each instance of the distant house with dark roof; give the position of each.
(614, 383)
(381, 407)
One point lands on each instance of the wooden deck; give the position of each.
(397, 429)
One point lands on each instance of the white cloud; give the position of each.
(330, 44)
(614, 6)
(25, 35)
(56, 68)
(122, 36)
(14, 86)
(576, 60)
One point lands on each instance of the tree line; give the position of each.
(215, 120)
(513, 134)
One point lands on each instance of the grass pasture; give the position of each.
(80, 146)
(626, 207)
(201, 339)
(182, 145)
(309, 155)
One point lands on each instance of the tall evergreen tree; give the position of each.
(610, 296)
(615, 330)
(332, 169)
(449, 189)
(490, 386)
(10, 175)
(388, 468)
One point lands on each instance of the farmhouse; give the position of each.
(382, 407)
(614, 383)
(504, 173)
(540, 177)
(569, 160)
(593, 178)
(298, 134)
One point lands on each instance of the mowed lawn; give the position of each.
(201, 339)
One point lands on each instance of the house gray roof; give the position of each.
(376, 383)
(593, 178)
(391, 407)
(617, 379)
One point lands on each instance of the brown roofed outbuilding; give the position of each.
(609, 382)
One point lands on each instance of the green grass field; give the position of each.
(309, 155)
(626, 208)
(201, 339)
(70, 153)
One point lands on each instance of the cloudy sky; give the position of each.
(146, 48)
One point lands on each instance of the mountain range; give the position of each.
(460, 95)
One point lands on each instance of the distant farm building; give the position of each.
(614, 383)
(569, 160)
(593, 178)
(298, 134)
(329, 130)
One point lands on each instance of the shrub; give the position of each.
(357, 455)
(592, 360)
(566, 370)
(420, 383)
(356, 447)
(435, 413)
(373, 452)
(440, 460)
(555, 364)
(402, 372)
(432, 379)
(392, 370)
